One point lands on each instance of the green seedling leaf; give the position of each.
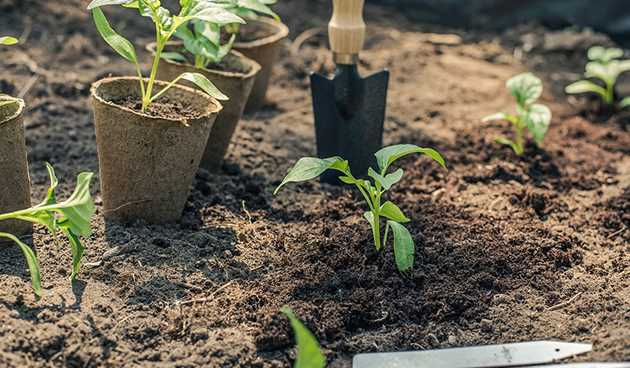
(388, 180)
(604, 55)
(538, 119)
(8, 40)
(624, 103)
(98, 3)
(526, 88)
(309, 351)
(31, 261)
(392, 212)
(258, 7)
(121, 45)
(404, 247)
(204, 83)
(309, 168)
(77, 250)
(174, 56)
(386, 156)
(585, 86)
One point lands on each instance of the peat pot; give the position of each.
(235, 78)
(15, 185)
(261, 40)
(147, 161)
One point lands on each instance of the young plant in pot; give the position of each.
(601, 74)
(530, 116)
(380, 211)
(15, 185)
(150, 134)
(260, 39)
(70, 217)
(201, 50)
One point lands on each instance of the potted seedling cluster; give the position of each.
(530, 116)
(201, 49)
(601, 74)
(15, 186)
(151, 134)
(380, 211)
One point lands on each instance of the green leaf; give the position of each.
(98, 3)
(392, 212)
(121, 45)
(174, 56)
(386, 181)
(604, 55)
(348, 180)
(538, 119)
(77, 251)
(78, 209)
(309, 351)
(204, 83)
(505, 141)
(369, 216)
(404, 247)
(31, 261)
(8, 40)
(308, 168)
(526, 88)
(497, 116)
(624, 103)
(585, 86)
(258, 7)
(388, 155)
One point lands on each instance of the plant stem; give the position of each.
(519, 139)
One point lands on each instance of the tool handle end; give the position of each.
(346, 30)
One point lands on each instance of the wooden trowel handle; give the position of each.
(346, 30)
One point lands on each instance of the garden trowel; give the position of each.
(349, 110)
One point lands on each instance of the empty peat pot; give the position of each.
(15, 186)
(235, 78)
(147, 162)
(261, 40)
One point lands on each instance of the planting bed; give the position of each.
(508, 249)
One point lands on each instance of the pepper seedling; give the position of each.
(70, 217)
(605, 68)
(526, 89)
(166, 25)
(203, 38)
(6, 99)
(308, 168)
(309, 351)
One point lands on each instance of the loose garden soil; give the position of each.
(508, 249)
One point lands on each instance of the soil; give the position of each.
(160, 108)
(508, 248)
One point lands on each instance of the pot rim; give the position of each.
(214, 107)
(282, 31)
(17, 112)
(254, 67)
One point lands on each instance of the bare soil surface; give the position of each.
(508, 249)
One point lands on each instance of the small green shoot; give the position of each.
(166, 25)
(203, 38)
(526, 89)
(5, 99)
(70, 217)
(308, 168)
(309, 352)
(604, 68)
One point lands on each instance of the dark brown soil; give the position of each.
(160, 108)
(508, 249)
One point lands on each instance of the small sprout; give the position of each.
(5, 99)
(166, 25)
(604, 68)
(308, 168)
(71, 217)
(309, 352)
(526, 89)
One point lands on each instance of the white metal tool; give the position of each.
(504, 355)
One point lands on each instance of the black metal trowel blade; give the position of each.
(349, 116)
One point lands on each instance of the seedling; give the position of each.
(5, 99)
(526, 89)
(166, 25)
(203, 38)
(309, 352)
(70, 217)
(604, 67)
(308, 168)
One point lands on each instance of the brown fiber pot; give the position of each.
(147, 163)
(265, 52)
(236, 85)
(15, 185)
